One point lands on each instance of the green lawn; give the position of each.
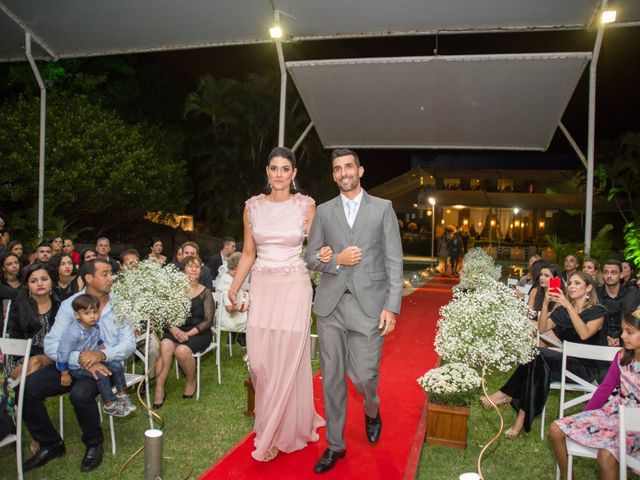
(199, 432)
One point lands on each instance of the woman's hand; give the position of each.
(233, 296)
(325, 254)
(557, 297)
(179, 335)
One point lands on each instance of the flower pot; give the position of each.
(447, 425)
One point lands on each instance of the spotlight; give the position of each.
(275, 31)
(608, 16)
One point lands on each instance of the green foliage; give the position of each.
(100, 171)
(602, 244)
(632, 239)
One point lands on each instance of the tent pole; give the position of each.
(302, 137)
(588, 211)
(283, 85)
(573, 143)
(43, 128)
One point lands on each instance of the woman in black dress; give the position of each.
(577, 318)
(66, 280)
(192, 337)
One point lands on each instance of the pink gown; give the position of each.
(278, 326)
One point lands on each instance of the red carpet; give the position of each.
(407, 354)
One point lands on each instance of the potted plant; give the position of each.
(450, 389)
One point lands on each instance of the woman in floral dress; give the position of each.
(598, 425)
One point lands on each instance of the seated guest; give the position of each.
(119, 343)
(103, 247)
(233, 318)
(579, 319)
(10, 276)
(529, 277)
(43, 253)
(87, 254)
(177, 258)
(598, 426)
(538, 292)
(69, 247)
(192, 337)
(628, 276)
(32, 316)
(570, 266)
(191, 249)
(592, 267)
(220, 259)
(156, 251)
(612, 294)
(66, 280)
(534, 271)
(57, 244)
(15, 247)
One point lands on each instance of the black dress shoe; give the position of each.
(44, 455)
(92, 458)
(373, 426)
(328, 460)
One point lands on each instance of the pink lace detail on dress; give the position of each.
(279, 270)
(304, 202)
(251, 204)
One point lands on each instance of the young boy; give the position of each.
(82, 336)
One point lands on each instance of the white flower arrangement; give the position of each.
(478, 270)
(151, 292)
(452, 384)
(486, 328)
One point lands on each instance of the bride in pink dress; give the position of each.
(278, 343)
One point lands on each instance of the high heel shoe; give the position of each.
(512, 433)
(486, 404)
(188, 397)
(158, 405)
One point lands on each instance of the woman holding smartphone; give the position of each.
(576, 318)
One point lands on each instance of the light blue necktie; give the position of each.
(351, 212)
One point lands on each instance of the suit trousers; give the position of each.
(350, 343)
(45, 383)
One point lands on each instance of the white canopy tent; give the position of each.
(77, 28)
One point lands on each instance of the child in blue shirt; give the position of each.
(82, 336)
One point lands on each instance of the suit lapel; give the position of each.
(342, 217)
(361, 218)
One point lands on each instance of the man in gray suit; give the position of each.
(358, 297)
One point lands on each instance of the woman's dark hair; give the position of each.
(632, 276)
(536, 270)
(289, 155)
(27, 308)
(631, 317)
(155, 240)
(55, 265)
(3, 277)
(12, 244)
(189, 259)
(82, 254)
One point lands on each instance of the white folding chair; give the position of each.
(6, 320)
(215, 344)
(512, 282)
(586, 352)
(629, 422)
(19, 348)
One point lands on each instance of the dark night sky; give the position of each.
(617, 107)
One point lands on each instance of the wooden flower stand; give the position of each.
(447, 425)
(251, 398)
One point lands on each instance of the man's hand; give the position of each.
(65, 379)
(350, 256)
(98, 368)
(387, 322)
(613, 342)
(90, 358)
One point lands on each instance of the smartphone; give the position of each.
(554, 284)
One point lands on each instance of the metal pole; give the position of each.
(588, 210)
(283, 85)
(302, 137)
(153, 455)
(43, 127)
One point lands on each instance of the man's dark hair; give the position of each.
(84, 302)
(89, 268)
(191, 244)
(613, 261)
(43, 243)
(129, 251)
(341, 152)
(228, 240)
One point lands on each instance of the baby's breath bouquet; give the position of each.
(154, 293)
(478, 270)
(452, 384)
(486, 328)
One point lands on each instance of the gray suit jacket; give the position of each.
(377, 280)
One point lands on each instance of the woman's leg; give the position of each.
(184, 355)
(167, 348)
(559, 442)
(608, 465)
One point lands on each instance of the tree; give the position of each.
(100, 171)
